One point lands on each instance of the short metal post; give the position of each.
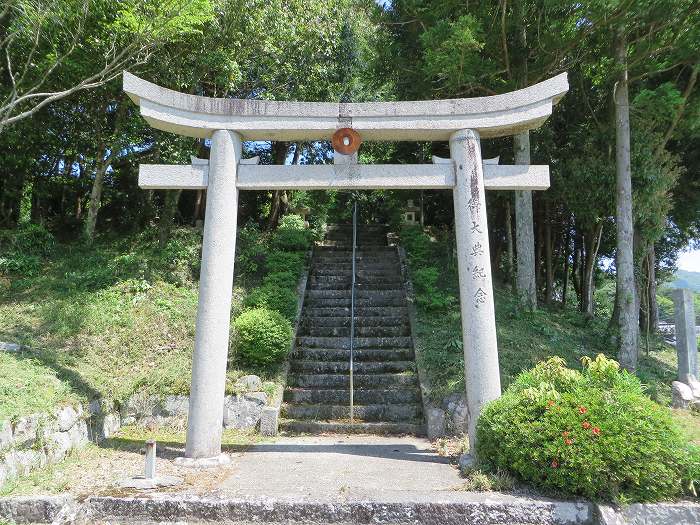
(150, 459)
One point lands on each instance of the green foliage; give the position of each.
(592, 433)
(279, 261)
(250, 250)
(262, 336)
(418, 246)
(22, 249)
(286, 280)
(291, 234)
(272, 297)
(428, 294)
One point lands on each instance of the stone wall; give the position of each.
(36, 440)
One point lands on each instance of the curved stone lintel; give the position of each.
(493, 116)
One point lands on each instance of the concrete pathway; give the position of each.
(341, 468)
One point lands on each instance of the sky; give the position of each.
(689, 261)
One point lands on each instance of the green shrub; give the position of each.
(279, 261)
(592, 433)
(272, 297)
(291, 234)
(250, 249)
(418, 246)
(428, 294)
(28, 239)
(262, 336)
(281, 280)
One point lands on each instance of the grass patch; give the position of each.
(106, 321)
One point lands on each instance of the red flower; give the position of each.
(569, 441)
(550, 403)
(586, 425)
(596, 431)
(555, 463)
(582, 410)
(565, 433)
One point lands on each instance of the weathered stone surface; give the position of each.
(269, 421)
(249, 383)
(197, 116)
(694, 385)
(5, 433)
(66, 417)
(467, 462)
(681, 395)
(58, 445)
(435, 422)
(455, 406)
(140, 406)
(33, 509)
(25, 429)
(110, 425)
(682, 513)
(174, 406)
(211, 462)
(78, 434)
(244, 411)
(143, 483)
(686, 336)
(10, 347)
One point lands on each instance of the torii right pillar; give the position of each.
(481, 369)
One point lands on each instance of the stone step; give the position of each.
(340, 285)
(359, 342)
(359, 294)
(343, 367)
(360, 321)
(383, 412)
(311, 312)
(361, 396)
(360, 302)
(385, 381)
(391, 272)
(366, 278)
(360, 331)
(359, 354)
(359, 251)
(345, 427)
(360, 266)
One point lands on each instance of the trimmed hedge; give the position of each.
(592, 433)
(262, 336)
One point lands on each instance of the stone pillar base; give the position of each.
(213, 462)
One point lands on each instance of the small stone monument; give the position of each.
(686, 391)
(150, 480)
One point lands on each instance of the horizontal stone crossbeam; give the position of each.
(342, 176)
(492, 116)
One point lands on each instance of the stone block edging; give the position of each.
(269, 422)
(474, 509)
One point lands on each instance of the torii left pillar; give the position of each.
(204, 425)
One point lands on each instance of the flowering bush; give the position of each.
(592, 433)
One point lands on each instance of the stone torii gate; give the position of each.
(228, 122)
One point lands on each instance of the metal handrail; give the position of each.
(352, 314)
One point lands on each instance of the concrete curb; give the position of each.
(446, 509)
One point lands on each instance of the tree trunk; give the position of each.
(524, 231)
(548, 256)
(592, 244)
(629, 314)
(167, 218)
(565, 279)
(510, 274)
(279, 153)
(95, 197)
(653, 305)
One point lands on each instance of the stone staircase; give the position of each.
(387, 395)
